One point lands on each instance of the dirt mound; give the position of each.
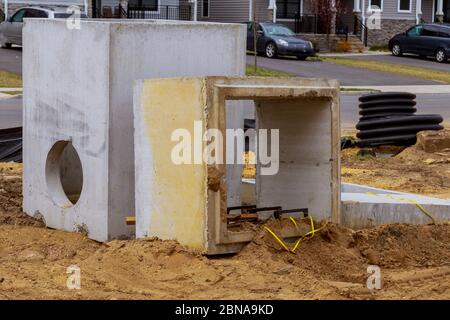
(412, 170)
(434, 141)
(414, 260)
(11, 196)
(400, 245)
(329, 255)
(331, 265)
(340, 254)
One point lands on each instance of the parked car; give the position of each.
(424, 40)
(274, 39)
(11, 29)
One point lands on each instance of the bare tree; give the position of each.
(327, 13)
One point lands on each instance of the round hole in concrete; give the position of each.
(64, 174)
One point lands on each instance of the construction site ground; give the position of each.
(414, 260)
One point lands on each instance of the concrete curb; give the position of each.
(417, 89)
(10, 89)
(355, 54)
(357, 92)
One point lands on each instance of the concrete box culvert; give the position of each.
(78, 88)
(187, 201)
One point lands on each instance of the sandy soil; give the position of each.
(414, 262)
(413, 170)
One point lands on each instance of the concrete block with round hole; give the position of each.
(78, 110)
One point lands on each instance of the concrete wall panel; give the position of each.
(78, 88)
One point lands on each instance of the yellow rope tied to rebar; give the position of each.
(418, 205)
(297, 243)
(277, 238)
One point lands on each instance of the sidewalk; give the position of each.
(434, 89)
(6, 93)
(354, 54)
(3, 90)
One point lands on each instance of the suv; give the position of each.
(424, 40)
(11, 29)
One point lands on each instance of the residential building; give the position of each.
(376, 20)
(383, 18)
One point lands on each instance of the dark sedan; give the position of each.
(424, 40)
(275, 39)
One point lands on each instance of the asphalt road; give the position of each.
(408, 60)
(10, 112)
(11, 109)
(11, 60)
(348, 76)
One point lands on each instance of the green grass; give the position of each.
(12, 93)
(10, 80)
(423, 73)
(383, 48)
(263, 72)
(358, 89)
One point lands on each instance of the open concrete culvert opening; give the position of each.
(190, 202)
(287, 169)
(64, 174)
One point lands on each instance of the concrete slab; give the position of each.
(416, 89)
(364, 207)
(186, 201)
(78, 115)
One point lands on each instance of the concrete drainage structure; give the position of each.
(365, 207)
(187, 202)
(78, 109)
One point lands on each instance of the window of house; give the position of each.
(288, 9)
(150, 4)
(404, 5)
(375, 5)
(205, 8)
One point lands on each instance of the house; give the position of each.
(379, 20)
(373, 21)
(135, 9)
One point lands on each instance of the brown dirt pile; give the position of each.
(11, 196)
(413, 170)
(414, 261)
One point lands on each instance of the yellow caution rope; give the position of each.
(297, 243)
(418, 205)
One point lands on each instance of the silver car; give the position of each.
(11, 29)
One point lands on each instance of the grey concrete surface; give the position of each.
(346, 75)
(89, 102)
(11, 60)
(10, 112)
(408, 60)
(364, 207)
